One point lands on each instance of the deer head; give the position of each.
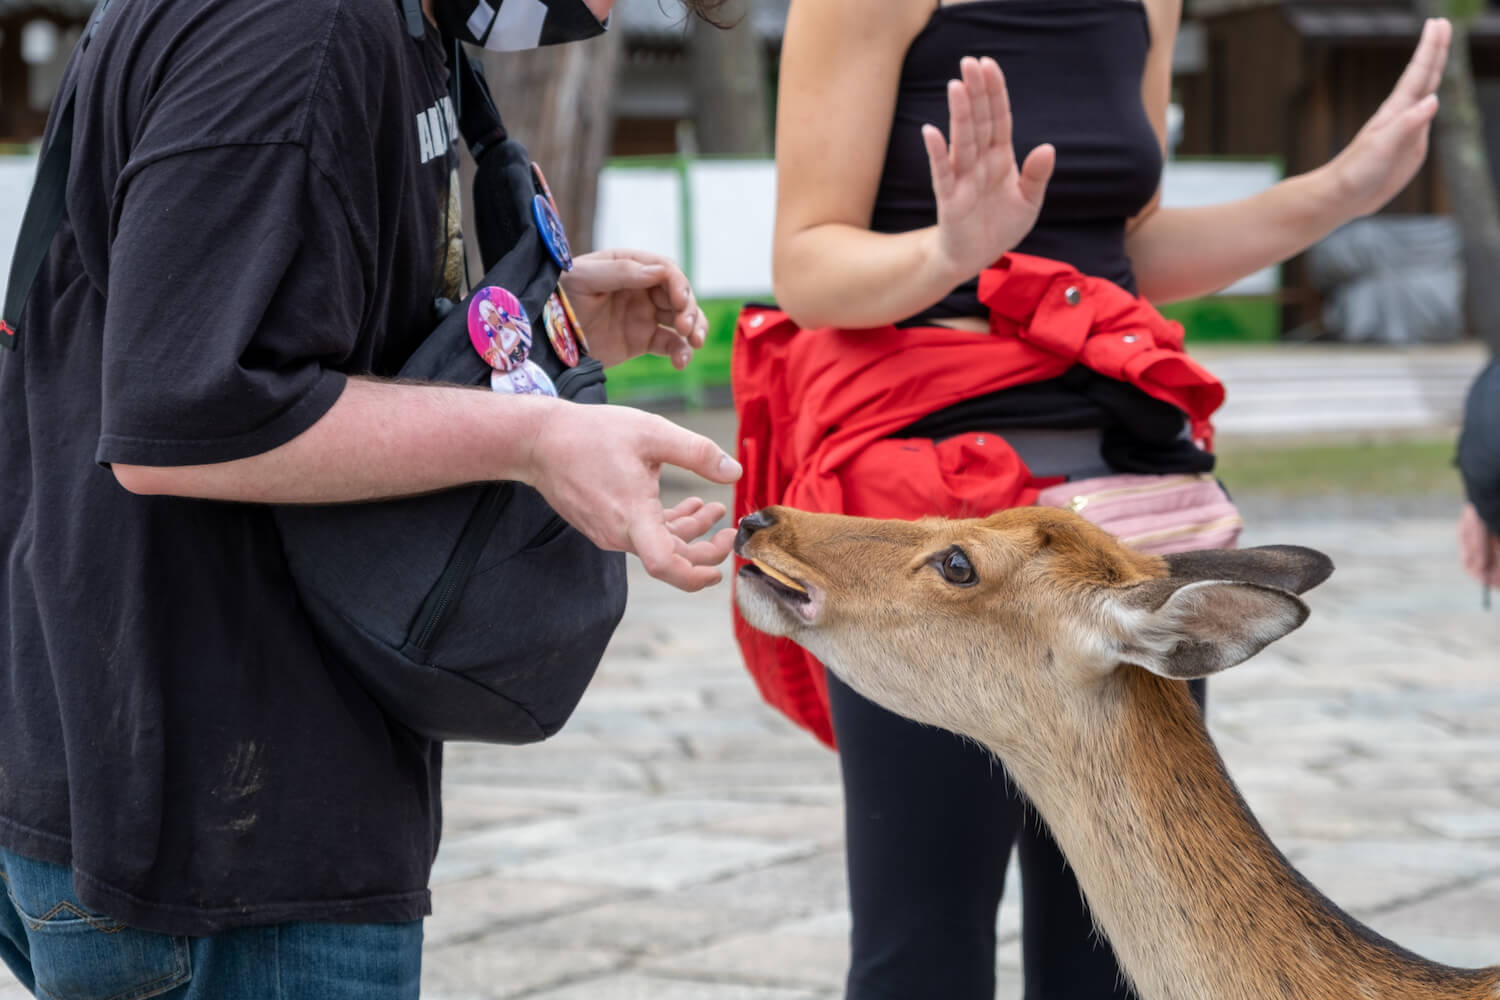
(1021, 620)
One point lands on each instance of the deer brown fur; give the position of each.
(1040, 636)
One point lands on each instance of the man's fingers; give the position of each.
(608, 274)
(694, 452)
(687, 507)
(657, 549)
(691, 526)
(670, 344)
(707, 551)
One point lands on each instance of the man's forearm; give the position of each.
(379, 439)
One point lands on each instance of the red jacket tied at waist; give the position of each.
(816, 408)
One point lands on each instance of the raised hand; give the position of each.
(632, 302)
(986, 203)
(600, 468)
(1387, 152)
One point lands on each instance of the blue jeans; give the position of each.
(62, 951)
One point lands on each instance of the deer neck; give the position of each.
(1197, 902)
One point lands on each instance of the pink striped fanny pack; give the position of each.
(1154, 514)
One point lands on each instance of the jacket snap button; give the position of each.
(1072, 295)
(757, 319)
(1131, 338)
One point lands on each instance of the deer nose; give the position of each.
(749, 525)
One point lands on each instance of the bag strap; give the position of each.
(478, 118)
(46, 206)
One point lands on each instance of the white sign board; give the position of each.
(733, 207)
(641, 208)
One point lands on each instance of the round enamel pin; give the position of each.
(499, 328)
(573, 323)
(551, 228)
(541, 182)
(524, 379)
(555, 319)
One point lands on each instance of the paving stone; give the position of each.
(1367, 875)
(799, 888)
(1458, 927)
(475, 907)
(786, 956)
(1346, 814)
(643, 925)
(821, 825)
(488, 970)
(473, 854)
(640, 987)
(11, 988)
(670, 861)
(1480, 823)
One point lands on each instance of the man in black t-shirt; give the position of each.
(193, 804)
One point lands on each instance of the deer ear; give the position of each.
(1285, 567)
(1206, 626)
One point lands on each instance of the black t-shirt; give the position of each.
(261, 200)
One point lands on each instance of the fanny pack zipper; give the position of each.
(450, 585)
(1083, 500)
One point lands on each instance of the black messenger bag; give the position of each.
(475, 613)
(470, 614)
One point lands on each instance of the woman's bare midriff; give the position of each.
(974, 323)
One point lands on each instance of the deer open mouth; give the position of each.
(799, 597)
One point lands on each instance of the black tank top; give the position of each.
(1073, 69)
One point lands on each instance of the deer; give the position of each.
(1040, 636)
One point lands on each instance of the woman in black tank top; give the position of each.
(905, 168)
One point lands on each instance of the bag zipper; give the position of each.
(1167, 534)
(1082, 500)
(450, 584)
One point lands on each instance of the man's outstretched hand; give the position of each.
(600, 468)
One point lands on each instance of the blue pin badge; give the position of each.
(551, 228)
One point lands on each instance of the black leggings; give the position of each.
(929, 822)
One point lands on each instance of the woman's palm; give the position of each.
(986, 203)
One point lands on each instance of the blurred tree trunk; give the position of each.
(731, 110)
(1465, 166)
(558, 102)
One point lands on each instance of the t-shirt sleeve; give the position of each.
(236, 290)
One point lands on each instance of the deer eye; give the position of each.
(956, 568)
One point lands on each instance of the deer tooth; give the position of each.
(779, 576)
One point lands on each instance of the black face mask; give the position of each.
(513, 25)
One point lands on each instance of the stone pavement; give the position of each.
(680, 841)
